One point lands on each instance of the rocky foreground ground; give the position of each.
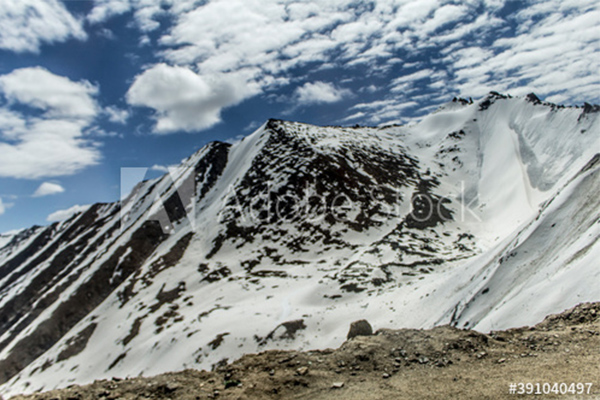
(441, 363)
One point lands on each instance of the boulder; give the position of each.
(360, 328)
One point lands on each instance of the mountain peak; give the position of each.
(532, 98)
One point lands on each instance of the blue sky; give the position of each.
(90, 87)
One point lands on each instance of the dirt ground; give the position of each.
(441, 363)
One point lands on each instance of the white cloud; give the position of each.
(57, 95)
(382, 110)
(52, 144)
(12, 124)
(48, 189)
(163, 168)
(107, 34)
(554, 53)
(320, 92)
(116, 115)
(564, 47)
(26, 24)
(232, 34)
(354, 116)
(5, 206)
(184, 100)
(473, 46)
(104, 9)
(62, 215)
(145, 12)
(214, 38)
(47, 149)
(444, 15)
(404, 81)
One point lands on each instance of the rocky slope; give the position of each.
(443, 362)
(483, 215)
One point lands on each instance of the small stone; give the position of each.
(500, 361)
(337, 385)
(302, 371)
(423, 360)
(385, 375)
(272, 372)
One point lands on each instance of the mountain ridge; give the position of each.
(297, 226)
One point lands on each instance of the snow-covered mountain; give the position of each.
(483, 215)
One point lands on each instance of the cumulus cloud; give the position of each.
(2, 208)
(26, 24)
(62, 215)
(48, 189)
(53, 143)
(58, 96)
(320, 92)
(184, 100)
